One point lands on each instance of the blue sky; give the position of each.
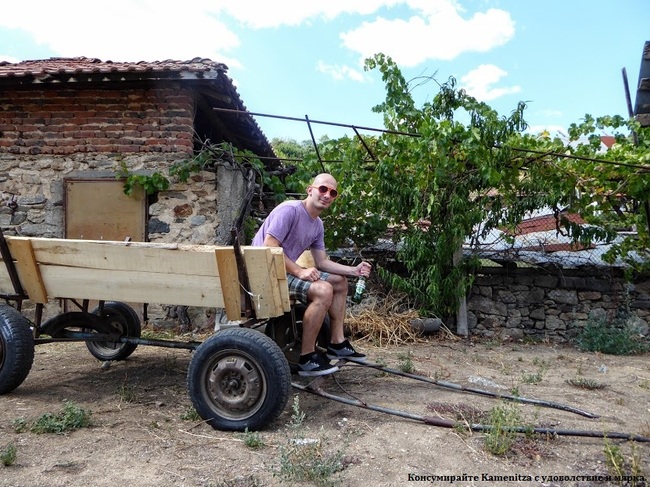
(305, 57)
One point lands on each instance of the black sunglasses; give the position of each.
(323, 189)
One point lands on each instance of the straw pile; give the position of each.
(383, 320)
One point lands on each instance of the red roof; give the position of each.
(43, 68)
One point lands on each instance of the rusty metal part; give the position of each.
(445, 423)
(472, 390)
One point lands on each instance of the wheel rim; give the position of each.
(116, 322)
(234, 385)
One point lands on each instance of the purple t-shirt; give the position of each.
(292, 226)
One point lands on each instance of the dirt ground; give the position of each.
(140, 434)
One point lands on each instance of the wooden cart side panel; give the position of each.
(138, 256)
(263, 282)
(229, 279)
(130, 286)
(28, 270)
(191, 275)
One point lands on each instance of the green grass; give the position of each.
(406, 363)
(71, 417)
(501, 437)
(306, 459)
(584, 383)
(8, 455)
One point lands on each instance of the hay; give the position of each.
(383, 320)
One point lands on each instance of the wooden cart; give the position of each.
(238, 378)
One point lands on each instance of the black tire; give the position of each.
(280, 330)
(16, 348)
(239, 379)
(123, 320)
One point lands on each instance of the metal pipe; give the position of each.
(462, 388)
(445, 423)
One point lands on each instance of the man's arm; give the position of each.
(327, 265)
(309, 274)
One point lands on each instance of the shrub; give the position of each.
(613, 338)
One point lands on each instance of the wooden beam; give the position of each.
(227, 265)
(28, 270)
(281, 273)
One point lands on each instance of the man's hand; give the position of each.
(363, 269)
(309, 274)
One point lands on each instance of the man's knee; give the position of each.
(339, 283)
(321, 292)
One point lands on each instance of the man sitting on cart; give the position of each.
(296, 226)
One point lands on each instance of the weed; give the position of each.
(70, 418)
(190, 415)
(304, 460)
(240, 481)
(126, 393)
(534, 378)
(644, 384)
(541, 363)
(613, 338)
(584, 383)
(297, 416)
(252, 439)
(406, 362)
(503, 420)
(8, 455)
(617, 464)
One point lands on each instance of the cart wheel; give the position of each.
(16, 348)
(281, 332)
(124, 320)
(238, 379)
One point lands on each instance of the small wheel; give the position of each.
(16, 348)
(124, 321)
(239, 379)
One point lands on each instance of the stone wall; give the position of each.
(46, 136)
(543, 304)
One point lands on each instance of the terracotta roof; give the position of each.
(43, 69)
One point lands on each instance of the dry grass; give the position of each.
(383, 320)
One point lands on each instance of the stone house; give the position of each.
(70, 126)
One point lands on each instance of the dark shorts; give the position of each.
(298, 288)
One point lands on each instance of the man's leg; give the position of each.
(337, 308)
(320, 296)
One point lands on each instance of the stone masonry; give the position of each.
(540, 304)
(48, 135)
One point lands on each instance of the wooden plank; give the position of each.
(135, 287)
(229, 279)
(6, 287)
(263, 282)
(137, 257)
(281, 272)
(28, 270)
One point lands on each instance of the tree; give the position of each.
(453, 169)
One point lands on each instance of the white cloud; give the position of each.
(479, 83)
(340, 72)
(437, 31)
(9, 59)
(123, 30)
(264, 14)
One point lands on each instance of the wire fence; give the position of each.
(539, 240)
